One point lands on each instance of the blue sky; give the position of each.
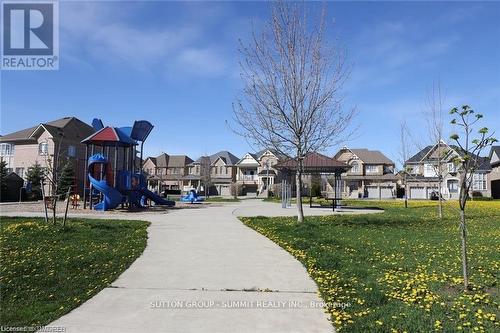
(176, 64)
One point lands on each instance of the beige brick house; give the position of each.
(255, 172)
(423, 169)
(217, 172)
(53, 141)
(494, 175)
(371, 174)
(166, 172)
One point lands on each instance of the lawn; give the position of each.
(399, 270)
(46, 270)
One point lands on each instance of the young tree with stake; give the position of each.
(433, 114)
(292, 88)
(468, 162)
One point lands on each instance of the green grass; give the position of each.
(399, 270)
(221, 199)
(46, 270)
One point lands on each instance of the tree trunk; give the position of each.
(298, 183)
(406, 193)
(463, 196)
(54, 204)
(440, 204)
(463, 234)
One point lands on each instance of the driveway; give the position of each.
(204, 271)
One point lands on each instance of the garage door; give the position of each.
(417, 193)
(372, 192)
(430, 190)
(225, 191)
(386, 192)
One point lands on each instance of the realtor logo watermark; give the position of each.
(30, 35)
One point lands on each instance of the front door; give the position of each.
(453, 188)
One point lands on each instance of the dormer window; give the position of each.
(452, 167)
(371, 168)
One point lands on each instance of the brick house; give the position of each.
(52, 140)
(371, 174)
(166, 172)
(424, 174)
(494, 175)
(218, 170)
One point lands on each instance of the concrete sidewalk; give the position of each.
(204, 271)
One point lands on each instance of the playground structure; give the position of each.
(122, 183)
(192, 197)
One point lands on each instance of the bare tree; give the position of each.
(292, 87)
(433, 114)
(206, 174)
(403, 155)
(468, 161)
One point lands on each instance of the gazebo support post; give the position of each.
(115, 162)
(310, 198)
(85, 176)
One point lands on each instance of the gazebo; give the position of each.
(317, 164)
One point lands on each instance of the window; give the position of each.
(371, 168)
(453, 186)
(197, 169)
(43, 148)
(20, 172)
(479, 182)
(221, 168)
(6, 149)
(429, 170)
(355, 167)
(452, 167)
(71, 151)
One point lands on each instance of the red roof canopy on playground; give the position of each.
(110, 136)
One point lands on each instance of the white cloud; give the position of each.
(105, 32)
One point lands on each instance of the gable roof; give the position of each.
(227, 157)
(272, 150)
(254, 156)
(152, 159)
(70, 126)
(496, 150)
(162, 160)
(178, 161)
(369, 156)
(483, 162)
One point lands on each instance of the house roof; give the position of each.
(259, 154)
(483, 162)
(171, 161)
(371, 156)
(153, 159)
(70, 126)
(227, 157)
(496, 150)
(161, 160)
(314, 163)
(178, 161)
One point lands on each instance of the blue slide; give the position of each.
(112, 197)
(192, 197)
(155, 197)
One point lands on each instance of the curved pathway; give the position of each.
(204, 271)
